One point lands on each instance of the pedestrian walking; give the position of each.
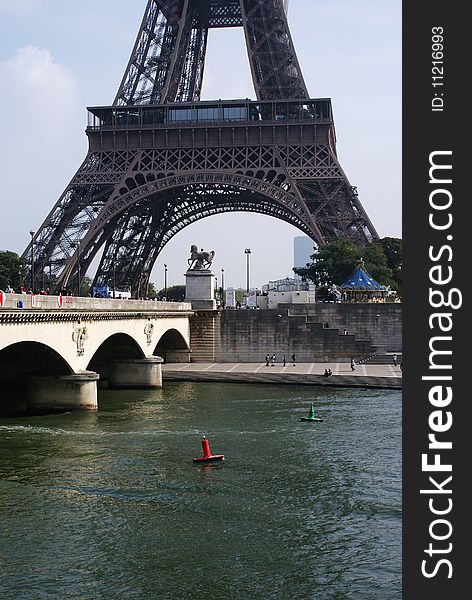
(267, 360)
(273, 360)
(293, 358)
(394, 360)
(285, 360)
(353, 365)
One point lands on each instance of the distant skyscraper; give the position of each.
(302, 250)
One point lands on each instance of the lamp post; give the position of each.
(165, 281)
(43, 271)
(78, 268)
(247, 252)
(114, 278)
(32, 234)
(140, 279)
(222, 284)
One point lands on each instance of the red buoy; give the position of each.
(207, 455)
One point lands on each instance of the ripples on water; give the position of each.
(110, 505)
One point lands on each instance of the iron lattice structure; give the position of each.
(160, 159)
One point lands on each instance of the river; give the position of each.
(109, 505)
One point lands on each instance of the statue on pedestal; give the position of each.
(199, 261)
(200, 282)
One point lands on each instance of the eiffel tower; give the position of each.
(160, 159)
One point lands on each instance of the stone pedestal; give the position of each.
(142, 373)
(200, 289)
(65, 392)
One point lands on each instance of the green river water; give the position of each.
(109, 505)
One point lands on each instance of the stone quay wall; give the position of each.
(248, 335)
(379, 322)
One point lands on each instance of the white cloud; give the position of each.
(40, 115)
(33, 73)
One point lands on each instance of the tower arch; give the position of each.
(149, 216)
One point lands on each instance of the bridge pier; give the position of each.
(77, 391)
(135, 373)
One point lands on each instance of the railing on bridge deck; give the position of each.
(39, 302)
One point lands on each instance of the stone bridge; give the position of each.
(53, 350)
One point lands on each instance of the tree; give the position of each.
(175, 292)
(331, 263)
(12, 270)
(375, 263)
(393, 250)
(86, 286)
(151, 291)
(334, 262)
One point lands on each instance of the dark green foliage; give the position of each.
(86, 286)
(334, 262)
(176, 293)
(12, 269)
(393, 250)
(151, 291)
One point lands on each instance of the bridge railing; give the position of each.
(40, 302)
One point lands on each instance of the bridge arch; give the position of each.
(172, 347)
(29, 357)
(20, 361)
(116, 346)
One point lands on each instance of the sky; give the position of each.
(59, 56)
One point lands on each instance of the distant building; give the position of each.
(287, 291)
(302, 250)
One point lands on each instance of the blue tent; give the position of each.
(361, 280)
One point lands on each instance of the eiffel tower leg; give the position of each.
(274, 64)
(59, 237)
(335, 205)
(59, 242)
(190, 86)
(128, 256)
(166, 64)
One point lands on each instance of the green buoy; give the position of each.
(311, 415)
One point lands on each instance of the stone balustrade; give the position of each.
(37, 301)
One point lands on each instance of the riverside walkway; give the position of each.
(365, 375)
